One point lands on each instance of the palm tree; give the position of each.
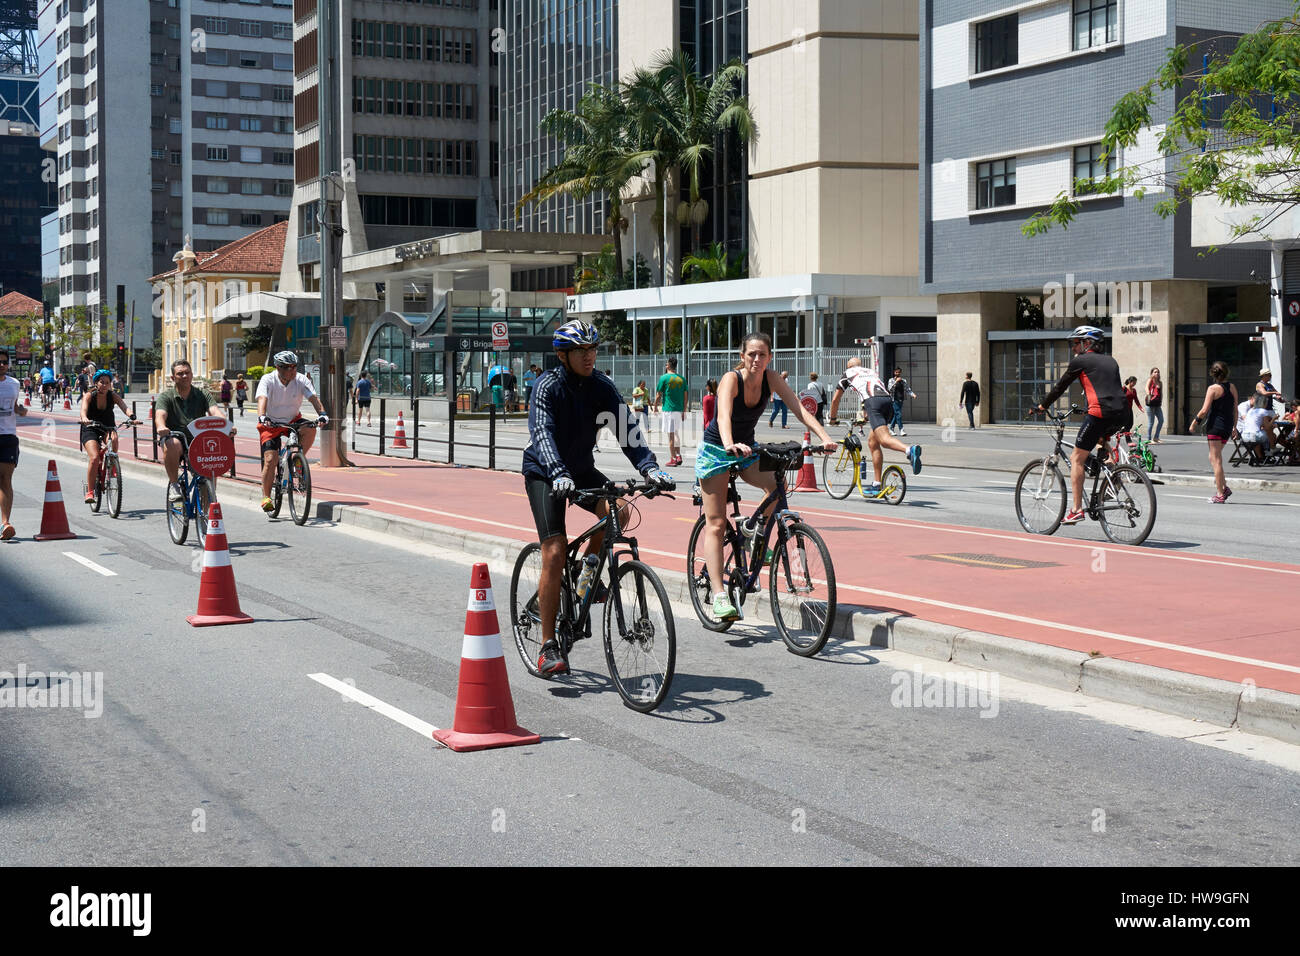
(596, 157)
(712, 263)
(676, 119)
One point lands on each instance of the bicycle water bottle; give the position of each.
(588, 575)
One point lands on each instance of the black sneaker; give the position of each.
(549, 661)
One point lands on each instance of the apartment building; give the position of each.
(168, 118)
(1015, 98)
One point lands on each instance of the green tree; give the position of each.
(713, 263)
(1232, 130)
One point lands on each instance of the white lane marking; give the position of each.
(90, 564)
(377, 705)
(943, 477)
(1284, 504)
(990, 481)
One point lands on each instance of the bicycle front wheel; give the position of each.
(1040, 497)
(1128, 505)
(206, 494)
(802, 588)
(525, 615)
(640, 640)
(113, 485)
(299, 488)
(178, 521)
(702, 589)
(893, 485)
(97, 491)
(277, 489)
(839, 471)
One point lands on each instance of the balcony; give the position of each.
(308, 249)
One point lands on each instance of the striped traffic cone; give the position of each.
(807, 473)
(218, 602)
(54, 519)
(399, 436)
(67, 403)
(485, 711)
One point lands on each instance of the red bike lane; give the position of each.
(1199, 614)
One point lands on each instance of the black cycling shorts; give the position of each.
(548, 511)
(1096, 429)
(8, 449)
(879, 411)
(92, 433)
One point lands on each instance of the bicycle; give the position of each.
(639, 635)
(842, 470)
(1131, 449)
(292, 473)
(1122, 498)
(199, 493)
(801, 580)
(108, 478)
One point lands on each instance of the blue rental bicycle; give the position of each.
(199, 493)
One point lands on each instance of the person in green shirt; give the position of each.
(174, 409)
(674, 403)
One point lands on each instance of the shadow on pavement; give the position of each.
(693, 698)
(28, 606)
(255, 547)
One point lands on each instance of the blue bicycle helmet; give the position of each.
(102, 373)
(575, 334)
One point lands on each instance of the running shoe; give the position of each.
(7, 532)
(549, 661)
(872, 490)
(1227, 492)
(914, 456)
(1219, 500)
(1074, 517)
(724, 610)
(90, 497)
(177, 492)
(902, 432)
(268, 505)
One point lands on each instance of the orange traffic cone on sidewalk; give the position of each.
(218, 602)
(399, 436)
(807, 473)
(54, 519)
(485, 711)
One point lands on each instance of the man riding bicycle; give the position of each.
(569, 405)
(47, 385)
(1098, 373)
(877, 411)
(279, 399)
(174, 409)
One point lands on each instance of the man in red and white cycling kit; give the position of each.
(279, 399)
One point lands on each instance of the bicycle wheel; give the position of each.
(206, 495)
(113, 485)
(98, 490)
(1040, 497)
(178, 520)
(299, 488)
(698, 575)
(839, 471)
(525, 619)
(1128, 506)
(277, 489)
(640, 640)
(802, 588)
(893, 485)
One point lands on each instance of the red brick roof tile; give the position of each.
(15, 303)
(258, 252)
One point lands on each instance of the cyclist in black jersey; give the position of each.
(1098, 373)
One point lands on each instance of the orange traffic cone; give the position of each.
(218, 602)
(67, 403)
(54, 519)
(485, 711)
(399, 436)
(807, 473)
(27, 400)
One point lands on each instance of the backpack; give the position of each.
(899, 390)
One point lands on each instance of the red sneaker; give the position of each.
(1073, 517)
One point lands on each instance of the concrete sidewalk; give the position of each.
(1020, 611)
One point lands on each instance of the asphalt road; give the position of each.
(215, 746)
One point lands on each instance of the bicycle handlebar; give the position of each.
(618, 489)
(295, 426)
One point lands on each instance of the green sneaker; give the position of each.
(724, 610)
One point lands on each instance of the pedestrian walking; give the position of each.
(639, 410)
(970, 396)
(778, 405)
(1130, 399)
(361, 398)
(11, 409)
(241, 392)
(818, 391)
(710, 402)
(898, 391)
(530, 376)
(1155, 406)
(1219, 413)
(674, 399)
(227, 388)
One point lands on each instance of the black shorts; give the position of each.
(548, 511)
(1096, 429)
(8, 449)
(363, 403)
(47, 386)
(879, 411)
(91, 433)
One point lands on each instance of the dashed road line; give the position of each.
(90, 564)
(378, 706)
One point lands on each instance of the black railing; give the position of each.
(414, 434)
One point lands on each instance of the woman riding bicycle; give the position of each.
(96, 413)
(742, 398)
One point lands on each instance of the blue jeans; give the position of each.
(779, 406)
(897, 421)
(970, 413)
(1155, 421)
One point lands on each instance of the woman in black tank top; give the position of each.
(97, 409)
(1219, 412)
(742, 398)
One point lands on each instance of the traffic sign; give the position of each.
(809, 402)
(500, 335)
(338, 336)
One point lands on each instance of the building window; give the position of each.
(219, 154)
(216, 122)
(282, 94)
(995, 184)
(249, 61)
(282, 61)
(251, 187)
(250, 28)
(1088, 166)
(1094, 23)
(250, 124)
(250, 154)
(218, 184)
(174, 125)
(996, 43)
(216, 25)
(250, 218)
(283, 187)
(216, 88)
(282, 157)
(218, 217)
(250, 91)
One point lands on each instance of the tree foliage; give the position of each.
(713, 263)
(1231, 130)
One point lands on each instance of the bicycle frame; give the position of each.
(777, 519)
(580, 617)
(1091, 500)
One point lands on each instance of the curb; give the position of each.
(1263, 711)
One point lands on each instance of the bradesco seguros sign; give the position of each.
(212, 449)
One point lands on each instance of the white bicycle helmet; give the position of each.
(1088, 333)
(284, 358)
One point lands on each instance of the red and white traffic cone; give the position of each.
(54, 519)
(485, 711)
(218, 601)
(807, 473)
(67, 403)
(27, 400)
(399, 436)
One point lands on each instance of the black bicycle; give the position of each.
(801, 582)
(292, 474)
(1122, 499)
(640, 639)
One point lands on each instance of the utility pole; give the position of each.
(332, 451)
